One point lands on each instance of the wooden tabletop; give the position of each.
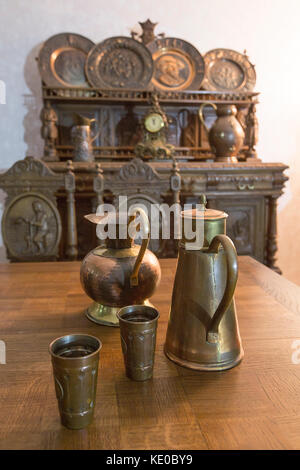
(256, 405)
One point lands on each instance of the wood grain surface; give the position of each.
(253, 406)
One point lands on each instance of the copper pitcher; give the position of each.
(203, 331)
(119, 273)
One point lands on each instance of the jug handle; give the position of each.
(145, 242)
(201, 113)
(232, 275)
(98, 133)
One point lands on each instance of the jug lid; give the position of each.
(206, 214)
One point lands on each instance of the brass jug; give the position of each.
(226, 135)
(119, 273)
(82, 138)
(203, 331)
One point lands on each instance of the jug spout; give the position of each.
(81, 120)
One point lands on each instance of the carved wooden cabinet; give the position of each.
(247, 191)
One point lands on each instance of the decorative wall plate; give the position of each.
(227, 70)
(177, 65)
(62, 58)
(119, 62)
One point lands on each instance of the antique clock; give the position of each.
(154, 144)
(154, 122)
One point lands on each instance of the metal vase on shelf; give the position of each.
(226, 136)
(82, 139)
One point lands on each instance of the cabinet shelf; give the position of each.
(97, 95)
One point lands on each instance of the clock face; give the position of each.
(154, 122)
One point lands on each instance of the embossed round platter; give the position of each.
(62, 59)
(177, 65)
(119, 62)
(227, 70)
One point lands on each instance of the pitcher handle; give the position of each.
(232, 275)
(98, 133)
(145, 242)
(201, 113)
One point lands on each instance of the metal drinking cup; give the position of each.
(75, 360)
(138, 324)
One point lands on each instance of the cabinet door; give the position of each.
(245, 223)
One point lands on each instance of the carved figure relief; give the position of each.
(228, 70)
(49, 130)
(172, 70)
(178, 64)
(31, 226)
(251, 137)
(227, 75)
(69, 66)
(38, 230)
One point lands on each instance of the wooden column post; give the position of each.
(98, 185)
(272, 246)
(72, 248)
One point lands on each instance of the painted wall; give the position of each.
(267, 29)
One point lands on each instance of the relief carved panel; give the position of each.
(238, 228)
(245, 223)
(31, 227)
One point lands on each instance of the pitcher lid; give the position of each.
(206, 214)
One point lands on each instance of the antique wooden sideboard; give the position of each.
(244, 187)
(247, 190)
